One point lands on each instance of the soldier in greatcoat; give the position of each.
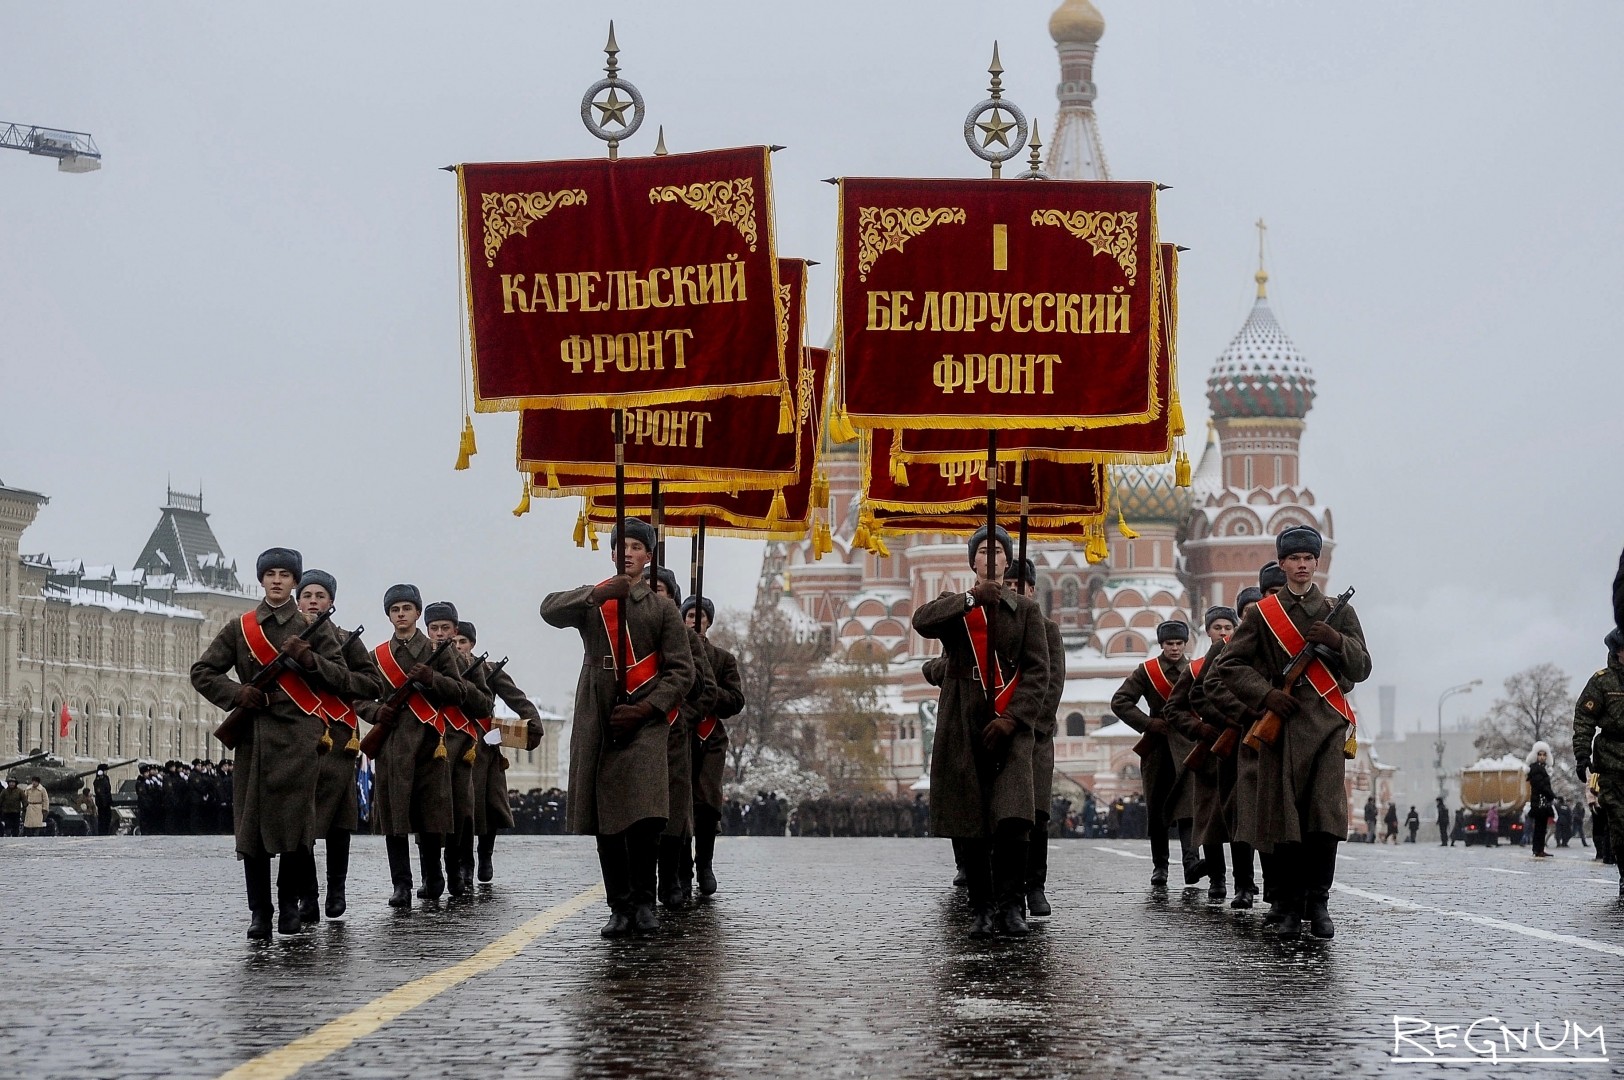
(1037, 857)
(1300, 813)
(619, 785)
(411, 787)
(461, 734)
(708, 746)
(274, 797)
(981, 762)
(1152, 682)
(492, 810)
(336, 802)
(1598, 743)
(679, 829)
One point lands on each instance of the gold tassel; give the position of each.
(1097, 550)
(466, 447)
(820, 491)
(524, 500)
(439, 751)
(552, 479)
(592, 535)
(840, 429)
(580, 529)
(879, 549)
(469, 755)
(1175, 419)
(823, 541)
(1122, 527)
(786, 415)
(779, 509)
(353, 747)
(1350, 749)
(326, 742)
(899, 468)
(1181, 470)
(860, 538)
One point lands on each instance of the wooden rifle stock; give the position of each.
(230, 730)
(1266, 731)
(1223, 746)
(375, 738)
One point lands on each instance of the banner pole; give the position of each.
(699, 566)
(1026, 506)
(657, 519)
(990, 679)
(618, 418)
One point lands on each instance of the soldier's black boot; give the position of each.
(704, 857)
(975, 863)
(1037, 868)
(400, 871)
(668, 866)
(1288, 890)
(1195, 867)
(295, 884)
(256, 872)
(616, 884)
(643, 853)
(487, 848)
(428, 859)
(338, 871)
(1217, 890)
(1245, 883)
(454, 882)
(1320, 866)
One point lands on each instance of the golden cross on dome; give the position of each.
(1262, 275)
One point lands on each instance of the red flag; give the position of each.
(62, 722)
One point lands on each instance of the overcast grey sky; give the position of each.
(258, 292)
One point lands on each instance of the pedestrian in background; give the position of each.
(1370, 820)
(1579, 822)
(1443, 823)
(1413, 823)
(36, 801)
(11, 809)
(1564, 822)
(1390, 819)
(1491, 827)
(103, 787)
(1541, 796)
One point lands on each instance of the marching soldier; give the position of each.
(275, 792)
(492, 811)
(1152, 682)
(993, 684)
(709, 742)
(462, 732)
(412, 776)
(1301, 807)
(1598, 742)
(1037, 858)
(619, 787)
(679, 827)
(336, 810)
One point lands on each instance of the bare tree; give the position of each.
(840, 738)
(776, 666)
(1536, 706)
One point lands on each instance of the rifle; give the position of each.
(229, 732)
(1266, 731)
(1223, 746)
(325, 743)
(393, 704)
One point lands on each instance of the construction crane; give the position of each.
(75, 151)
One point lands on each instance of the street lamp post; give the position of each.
(1463, 688)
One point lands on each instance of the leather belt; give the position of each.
(606, 663)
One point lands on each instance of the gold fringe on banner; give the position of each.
(524, 503)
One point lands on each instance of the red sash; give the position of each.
(975, 623)
(459, 720)
(1158, 677)
(640, 672)
(1195, 667)
(706, 727)
(292, 684)
(1292, 640)
(397, 678)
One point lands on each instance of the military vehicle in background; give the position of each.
(1500, 784)
(63, 818)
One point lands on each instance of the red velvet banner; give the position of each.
(643, 281)
(747, 513)
(731, 443)
(1079, 528)
(1150, 443)
(961, 486)
(998, 304)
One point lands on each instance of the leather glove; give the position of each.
(1157, 725)
(386, 714)
(1206, 732)
(250, 697)
(493, 737)
(1583, 772)
(1321, 633)
(998, 732)
(987, 593)
(1281, 704)
(625, 720)
(532, 735)
(616, 588)
(299, 651)
(421, 674)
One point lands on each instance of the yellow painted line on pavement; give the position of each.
(332, 1037)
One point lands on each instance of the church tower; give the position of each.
(1248, 487)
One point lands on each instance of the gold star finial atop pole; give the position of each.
(613, 108)
(613, 51)
(1262, 275)
(1008, 132)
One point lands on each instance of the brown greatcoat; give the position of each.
(613, 789)
(710, 756)
(1187, 710)
(411, 788)
(1043, 735)
(680, 733)
(464, 796)
(274, 785)
(1158, 770)
(492, 810)
(337, 807)
(1298, 787)
(971, 791)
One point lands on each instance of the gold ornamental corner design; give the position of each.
(508, 214)
(804, 392)
(1108, 232)
(732, 201)
(888, 228)
(785, 295)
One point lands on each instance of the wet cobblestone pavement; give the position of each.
(126, 957)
